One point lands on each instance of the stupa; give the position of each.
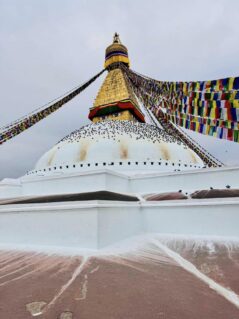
(119, 138)
(120, 156)
(120, 219)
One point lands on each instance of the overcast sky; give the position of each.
(47, 47)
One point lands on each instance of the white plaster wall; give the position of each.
(139, 184)
(9, 191)
(76, 183)
(187, 181)
(117, 183)
(96, 224)
(64, 184)
(48, 226)
(118, 222)
(209, 219)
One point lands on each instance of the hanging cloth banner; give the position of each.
(23, 124)
(208, 127)
(207, 107)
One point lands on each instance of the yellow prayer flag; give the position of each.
(230, 84)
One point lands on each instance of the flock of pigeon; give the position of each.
(114, 129)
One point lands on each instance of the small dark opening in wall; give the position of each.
(120, 163)
(96, 164)
(104, 164)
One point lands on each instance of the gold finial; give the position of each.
(116, 38)
(116, 52)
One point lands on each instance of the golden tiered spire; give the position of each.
(115, 88)
(115, 99)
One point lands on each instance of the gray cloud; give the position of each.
(49, 47)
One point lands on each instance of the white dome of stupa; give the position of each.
(118, 145)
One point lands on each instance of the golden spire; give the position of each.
(115, 99)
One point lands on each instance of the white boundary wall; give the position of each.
(97, 224)
(110, 180)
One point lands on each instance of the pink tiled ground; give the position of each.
(143, 284)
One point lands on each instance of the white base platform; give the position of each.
(96, 224)
(122, 182)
